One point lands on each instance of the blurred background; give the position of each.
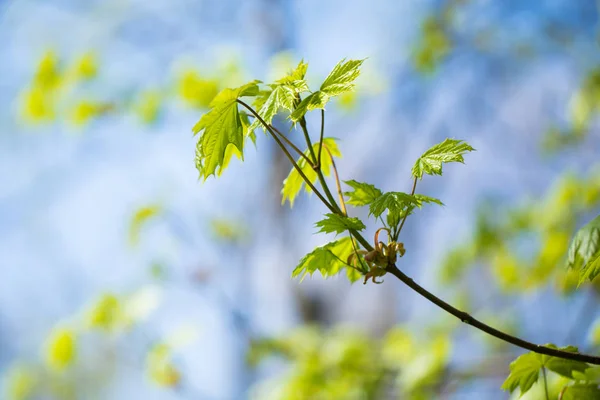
(122, 276)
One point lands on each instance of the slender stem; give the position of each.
(337, 181)
(468, 319)
(365, 269)
(361, 240)
(289, 156)
(322, 132)
(293, 146)
(545, 383)
(317, 163)
(412, 192)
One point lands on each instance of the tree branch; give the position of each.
(468, 319)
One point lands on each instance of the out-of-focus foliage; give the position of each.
(229, 231)
(345, 364)
(160, 367)
(50, 92)
(196, 90)
(61, 350)
(55, 375)
(548, 223)
(140, 218)
(433, 46)
(584, 253)
(583, 110)
(21, 383)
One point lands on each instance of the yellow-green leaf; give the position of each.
(328, 260)
(450, 150)
(293, 184)
(221, 127)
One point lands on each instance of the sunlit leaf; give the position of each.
(293, 184)
(450, 150)
(394, 202)
(363, 193)
(342, 77)
(525, 370)
(328, 259)
(339, 81)
(283, 95)
(338, 224)
(221, 127)
(316, 100)
(581, 391)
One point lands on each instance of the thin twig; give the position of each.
(322, 133)
(468, 319)
(318, 167)
(412, 192)
(289, 156)
(337, 181)
(293, 146)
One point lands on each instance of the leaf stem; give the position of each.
(337, 179)
(293, 146)
(321, 138)
(412, 192)
(468, 319)
(545, 383)
(317, 168)
(289, 156)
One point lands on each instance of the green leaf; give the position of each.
(283, 95)
(328, 260)
(293, 184)
(339, 81)
(450, 150)
(221, 127)
(426, 199)
(524, 371)
(584, 252)
(562, 366)
(581, 392)
(394, 202)
(338, 224)
(313, 101)
(363, 194)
